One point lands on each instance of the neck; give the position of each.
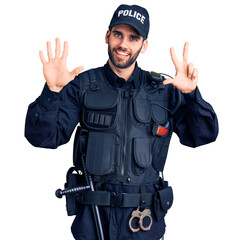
(125, 73)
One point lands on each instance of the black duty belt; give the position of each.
(103, 198)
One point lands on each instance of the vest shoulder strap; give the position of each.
(89, 79)
(94, 85)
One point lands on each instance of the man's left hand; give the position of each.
(186, 77)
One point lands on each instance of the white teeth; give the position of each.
(122, 53)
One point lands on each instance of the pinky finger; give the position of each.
(195, 74)
(42, 58)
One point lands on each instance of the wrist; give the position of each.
(55, 88)
(187, 91)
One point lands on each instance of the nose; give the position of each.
(124, 43)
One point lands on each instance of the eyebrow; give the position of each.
(118, 32)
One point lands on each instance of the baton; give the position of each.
(68, 191)
(60, 193)
(95, 209)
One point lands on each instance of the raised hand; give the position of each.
(186, 77)
(55, 70)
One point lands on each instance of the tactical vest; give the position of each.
(117, 130)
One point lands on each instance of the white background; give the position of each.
(207, 181)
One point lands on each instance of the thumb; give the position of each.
(168, 81)
(77, 70)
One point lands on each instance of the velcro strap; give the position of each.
(103, 198)
(93, 81)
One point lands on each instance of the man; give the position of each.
(127, 117)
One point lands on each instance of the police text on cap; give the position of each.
(133, 14)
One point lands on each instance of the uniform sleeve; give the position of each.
(52, 117)
(195, 122)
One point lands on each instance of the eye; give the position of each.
(117, 34)
(134, 38)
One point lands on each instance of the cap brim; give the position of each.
(140, 31)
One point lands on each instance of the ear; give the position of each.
(107, 36)
(145, 46)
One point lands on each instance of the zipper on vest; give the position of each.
(124, 130)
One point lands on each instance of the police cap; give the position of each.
(134, 16)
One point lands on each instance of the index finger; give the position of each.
(185, 52)
(65, 50)
(173, 57)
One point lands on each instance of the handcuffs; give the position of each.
(140, 216)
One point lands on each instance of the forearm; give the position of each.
(51, 119)
(195, 122)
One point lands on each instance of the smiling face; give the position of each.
(124, 46)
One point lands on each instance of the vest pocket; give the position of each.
(100, 153)
(142, 154)
(159, 112)
(100, 109)
(153, 109)
(142, 110)
(160, 150)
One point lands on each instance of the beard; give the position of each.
(118, 63)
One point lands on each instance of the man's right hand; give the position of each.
(55, 70)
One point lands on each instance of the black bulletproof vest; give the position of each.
(117, 130)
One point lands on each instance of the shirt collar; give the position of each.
(115, 80)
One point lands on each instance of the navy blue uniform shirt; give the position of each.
(52, 117)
